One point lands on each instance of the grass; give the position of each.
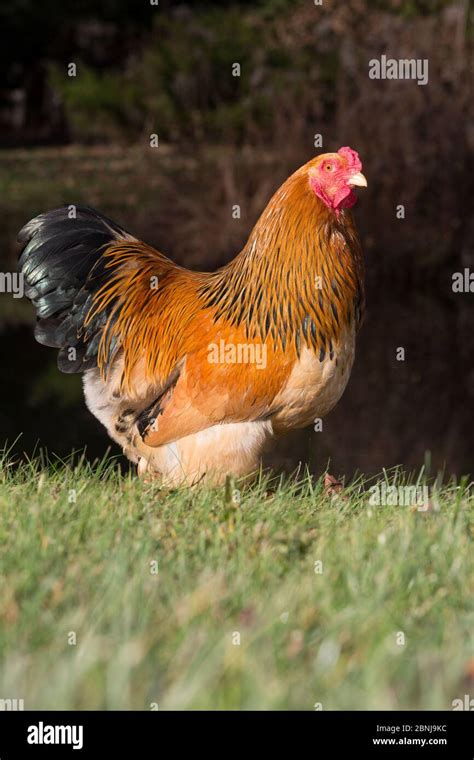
(77, 551)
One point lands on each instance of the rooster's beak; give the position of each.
(358, 179)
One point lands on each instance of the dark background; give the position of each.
(223, 140)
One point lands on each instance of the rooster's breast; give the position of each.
(314, 387)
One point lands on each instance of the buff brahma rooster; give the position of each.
(193, 372)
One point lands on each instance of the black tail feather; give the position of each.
(63, 266)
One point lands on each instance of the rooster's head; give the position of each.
(333, 175)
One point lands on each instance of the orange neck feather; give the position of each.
(299, 278)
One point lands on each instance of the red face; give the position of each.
(333, 176)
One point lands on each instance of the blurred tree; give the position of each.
(32, 33)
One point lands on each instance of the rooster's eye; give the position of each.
(329, 167)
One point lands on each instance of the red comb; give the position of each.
(352, 158)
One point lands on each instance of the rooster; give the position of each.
(192, 373)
